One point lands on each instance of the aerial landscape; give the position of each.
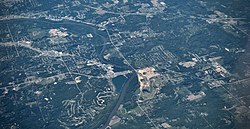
(124, 64)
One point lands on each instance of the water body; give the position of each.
(118, 82)
(120, 99)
